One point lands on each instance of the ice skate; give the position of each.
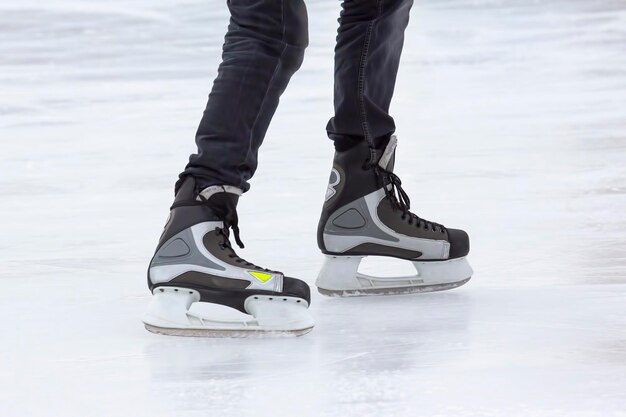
(194, 262)
(366, 213)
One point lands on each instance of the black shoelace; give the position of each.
(225, 245)
(227, 225)
(224, 233)
(400, 200)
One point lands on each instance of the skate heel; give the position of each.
(448, 272)
(339, 276)
(280, 313)
(169, 308)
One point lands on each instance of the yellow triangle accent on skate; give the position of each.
(261, 276)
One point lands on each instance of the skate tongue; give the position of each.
(222, 199)
(387, 159)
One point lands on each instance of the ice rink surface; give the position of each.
(511, 120)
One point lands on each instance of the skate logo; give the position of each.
(333, 181)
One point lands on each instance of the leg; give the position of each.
(369, 43)
(194, 261)
(366, 212)
(263, 48)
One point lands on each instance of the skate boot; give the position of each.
(194, 262)
(366, 213)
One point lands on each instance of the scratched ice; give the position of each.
(512, 124)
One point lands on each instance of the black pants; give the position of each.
(263, 48)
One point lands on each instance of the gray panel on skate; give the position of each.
(350, 219)
(369, 229)
(164, 255)
(174, 249)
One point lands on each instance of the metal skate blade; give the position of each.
(413, 289)
(227, 333)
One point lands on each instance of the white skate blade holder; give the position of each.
(339, 276)
(168, 313)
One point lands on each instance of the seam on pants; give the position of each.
(361, 79)
(271, 81)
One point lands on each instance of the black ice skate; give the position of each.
(366, 213)
(194, 262)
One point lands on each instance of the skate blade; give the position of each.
(168, 313)
(227, 333)
(339, 277)
(413, 289)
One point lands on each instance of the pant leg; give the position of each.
(367, 55)
(263, 48)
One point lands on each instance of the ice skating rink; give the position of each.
(511, 120)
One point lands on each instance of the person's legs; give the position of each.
(263, 48)
(366, 211)
(367, 55)
(194, 260)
